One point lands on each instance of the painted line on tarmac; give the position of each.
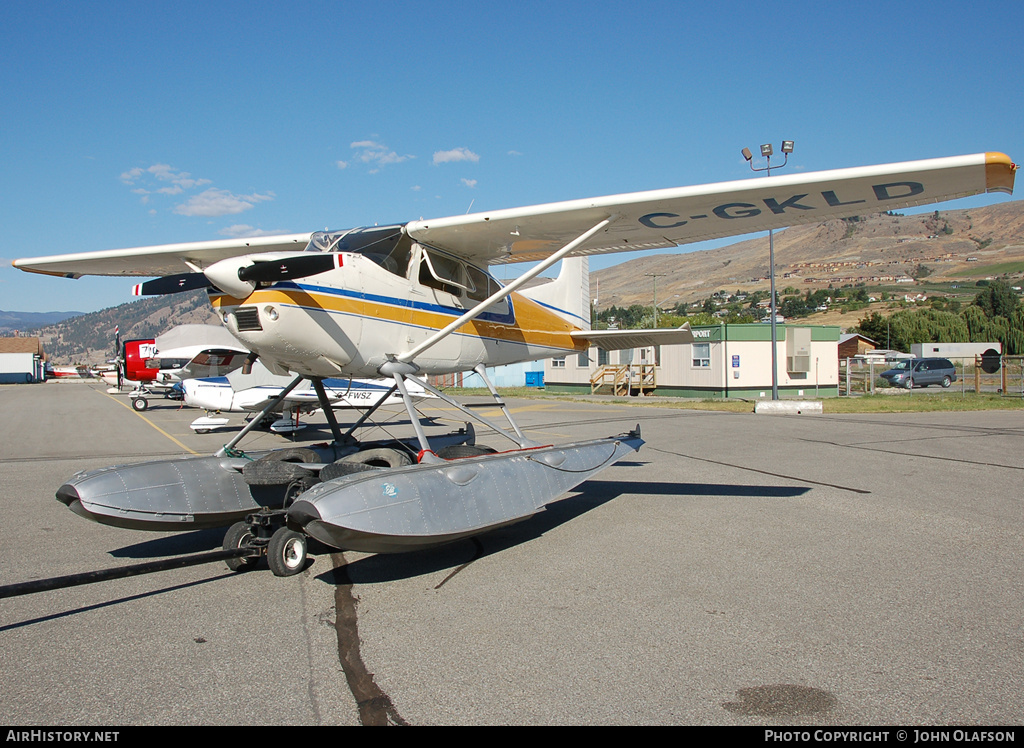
(135, 412)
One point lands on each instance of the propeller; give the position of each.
(220, 274)
(171, 284)
(298, 266)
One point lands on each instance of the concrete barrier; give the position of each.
(790, 407)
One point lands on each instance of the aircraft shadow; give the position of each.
(591, 495)
(179, 544)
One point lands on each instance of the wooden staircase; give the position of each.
(624, 379)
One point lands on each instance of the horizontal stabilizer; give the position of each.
(613, 340)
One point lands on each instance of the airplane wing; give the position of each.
(638, 220)
(613, 340)
(161, 260)
(672, 217)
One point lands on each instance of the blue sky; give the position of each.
(128, 124)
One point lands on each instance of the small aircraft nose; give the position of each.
(67, 495)
(301, 514)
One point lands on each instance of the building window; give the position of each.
(582, 361)
(701, 355)
(558, 363)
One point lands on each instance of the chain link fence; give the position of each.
(1003, 375)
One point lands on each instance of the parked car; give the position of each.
(920, 372)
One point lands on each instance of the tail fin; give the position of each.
(568, 295)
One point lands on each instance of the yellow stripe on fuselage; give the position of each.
(534, 325)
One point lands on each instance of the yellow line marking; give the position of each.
(125, 405)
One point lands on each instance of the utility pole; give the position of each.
(655, 276)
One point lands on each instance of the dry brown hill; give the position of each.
(874, 250)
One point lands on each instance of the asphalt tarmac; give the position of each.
(741, 569)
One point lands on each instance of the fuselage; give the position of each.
(373, 307)
(217, 394)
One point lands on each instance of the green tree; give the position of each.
(997, 300)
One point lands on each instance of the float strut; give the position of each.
(222, 452)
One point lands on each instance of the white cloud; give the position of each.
(455, 154)
(341, 164)
(243, 230)
(372, 152)
(129, 177)
(214, 202)
(181, 180)
(164, 179)
(471, 183)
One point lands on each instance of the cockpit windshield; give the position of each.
(388, 246)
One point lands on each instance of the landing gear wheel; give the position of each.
(239, 534)
(140, 403)
(286, 552)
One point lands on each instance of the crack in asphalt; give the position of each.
(375, 706)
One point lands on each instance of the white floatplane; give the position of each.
(414, 299)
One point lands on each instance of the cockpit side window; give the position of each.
(443, 273)
(394, 258)
(481, 285)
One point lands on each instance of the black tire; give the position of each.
(946, 381)
(280, 467)
(340, 469)
(379, 457)
(297, 454)
(286, 552)
(457, 451)
(909, 384)
(139, 403)
(239, 534)
(273, 473)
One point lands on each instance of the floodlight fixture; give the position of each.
(747, 154)
(766, 150)
(787, 146)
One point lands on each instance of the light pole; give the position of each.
(655, 276)
(766, 151)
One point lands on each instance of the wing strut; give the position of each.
(504, 292)
(255, 421)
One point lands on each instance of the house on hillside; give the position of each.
(22, 360)
(854, 344)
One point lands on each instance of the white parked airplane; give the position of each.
(415, 299)
(240, 392)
